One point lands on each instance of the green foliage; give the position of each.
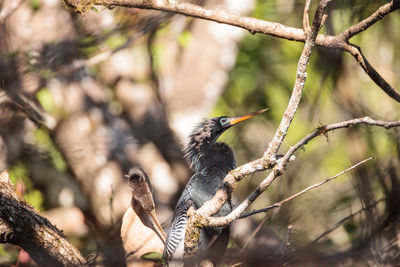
(153, 256)
(45, 97)
(115, 41)
(8, 255)
(159, 55)
(35, 198)
(88, 46)
(35, 4)
(94, 9)
(44, 141)
(184, 38)
(19, 174)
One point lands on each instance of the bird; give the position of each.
(141, 231)
(211, 161)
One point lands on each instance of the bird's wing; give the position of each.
(177, 230)
(178, 225)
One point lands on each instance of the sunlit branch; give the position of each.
(323, 130)
(301, 76)
(254, 25)
(202, 215)
(280, 203)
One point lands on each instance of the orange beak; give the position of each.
(236, 120)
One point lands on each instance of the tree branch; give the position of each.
(356, 52)
(338, 224)
(374, 17)
(262, 26)
(301, 77)
(306, 19)
(200, 217)
(323, 130)
(283, 161)
(280, 203)
(21, 225)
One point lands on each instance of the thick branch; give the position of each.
(22, 226)
(323, 130)
(262, 26)
(197, 218)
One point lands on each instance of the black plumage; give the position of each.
(211, 161)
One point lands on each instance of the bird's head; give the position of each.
(208, 131)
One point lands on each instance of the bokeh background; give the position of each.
(84, 97)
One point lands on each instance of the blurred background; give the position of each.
(84, 97)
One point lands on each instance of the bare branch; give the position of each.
(277, 170)
(306, 19)
(366, 23)
(285, 242)
(344, 124)
(338, 224)
(202, 215)
(280, 203)
(35, 234)
(356, 52)
(251, 24)
(262, 26)
(294, 101)
(254, 234)
(29, 108)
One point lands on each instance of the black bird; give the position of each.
(211, 161)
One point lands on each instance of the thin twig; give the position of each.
(371, 20)
(253, 234)
(306, 19)
(323, 130)
(356, 52)
(202, 215)
(338, 224)
(280, 203)
(278, 169)
(285, 242)
(260, 26)
(301, 77)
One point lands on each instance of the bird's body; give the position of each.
(211, 161)
(200, 188)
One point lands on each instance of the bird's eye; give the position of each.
(223, 121)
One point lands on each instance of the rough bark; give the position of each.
(21, 225)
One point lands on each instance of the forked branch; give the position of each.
(276, 172)
(340, 41)
(200, 217)
(305, 190)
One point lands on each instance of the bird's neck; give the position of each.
(212, 157)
